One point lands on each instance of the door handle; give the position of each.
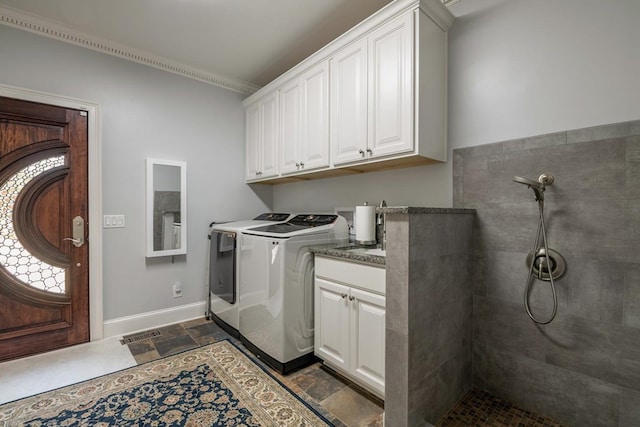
(78, 232)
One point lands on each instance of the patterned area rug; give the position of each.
(216, 385)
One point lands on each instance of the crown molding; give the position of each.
(43, 27)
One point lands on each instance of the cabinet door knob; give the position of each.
(370, 151)
(343, 295)
(361, 152)
(297, 165)
(351, 298)
(302, 165)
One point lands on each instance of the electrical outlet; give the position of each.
(177, 290)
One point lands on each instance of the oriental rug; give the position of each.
(215, 385)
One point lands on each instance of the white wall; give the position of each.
(146, 113)
(517, 68)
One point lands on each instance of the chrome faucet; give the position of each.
(381, 228)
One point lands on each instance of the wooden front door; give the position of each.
(44, 275)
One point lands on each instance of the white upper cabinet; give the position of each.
(262, 138)
(390, 88)
(387, 78)
(349, 109)
(291, 123)
(305, 121)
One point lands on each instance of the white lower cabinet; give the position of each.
(350, 320)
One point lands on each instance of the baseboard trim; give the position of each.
(153, 319)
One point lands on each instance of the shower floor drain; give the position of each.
(139, 337)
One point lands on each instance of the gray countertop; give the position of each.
(345, 251)
(423, 210)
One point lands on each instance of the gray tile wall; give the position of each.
(429, 310)
(582, 369)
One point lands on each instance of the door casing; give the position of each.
(96, 320)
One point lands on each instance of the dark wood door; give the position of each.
(44, 276)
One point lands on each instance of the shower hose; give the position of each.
(541, 232)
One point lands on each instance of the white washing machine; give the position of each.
(224, 271)
(276, 287)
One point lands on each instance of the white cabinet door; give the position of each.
(315, 117)
(262, 139)
(349, 103)
(368, 338)
(291, 121)
(305, 121)
(332, 323)
(390, 87)
(253, 136)
(271, 135)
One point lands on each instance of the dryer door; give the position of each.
(222, 272)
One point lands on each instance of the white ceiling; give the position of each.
(249, 41)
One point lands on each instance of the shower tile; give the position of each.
(397, 271)
(631, 311)
(509, 227)
(592, 289)
(603, 132)
(596, 229)
(506, 274)
(480, 408)
(458, 191)
(570, 398)
(480, 150)
(629, 408)
(633, 167)
(601, 350)
(475, 180)
(435, 393)
(506, 327)
(396, 378)
(539, 141)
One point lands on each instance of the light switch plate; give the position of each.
(113, 221)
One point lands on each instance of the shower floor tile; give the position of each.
(480, 408)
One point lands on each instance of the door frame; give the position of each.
(96, 319)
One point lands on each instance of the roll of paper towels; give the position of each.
(366, 225)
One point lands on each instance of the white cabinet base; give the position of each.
(350, 320)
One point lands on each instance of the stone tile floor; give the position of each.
(341, 402)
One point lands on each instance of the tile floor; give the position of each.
(480, 408)
(341, 402)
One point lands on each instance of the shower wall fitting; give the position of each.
(582, 369)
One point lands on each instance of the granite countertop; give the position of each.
(423, 210)
(346, 251)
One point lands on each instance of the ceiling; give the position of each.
(247, 41)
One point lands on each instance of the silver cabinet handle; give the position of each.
(351, 298)
(297, 165)
(370, 151)
(302, 165)
(361, 152)
(343, 295)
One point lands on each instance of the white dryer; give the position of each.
(223, 268)
(276, 287)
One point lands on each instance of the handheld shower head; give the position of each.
(538, 187)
